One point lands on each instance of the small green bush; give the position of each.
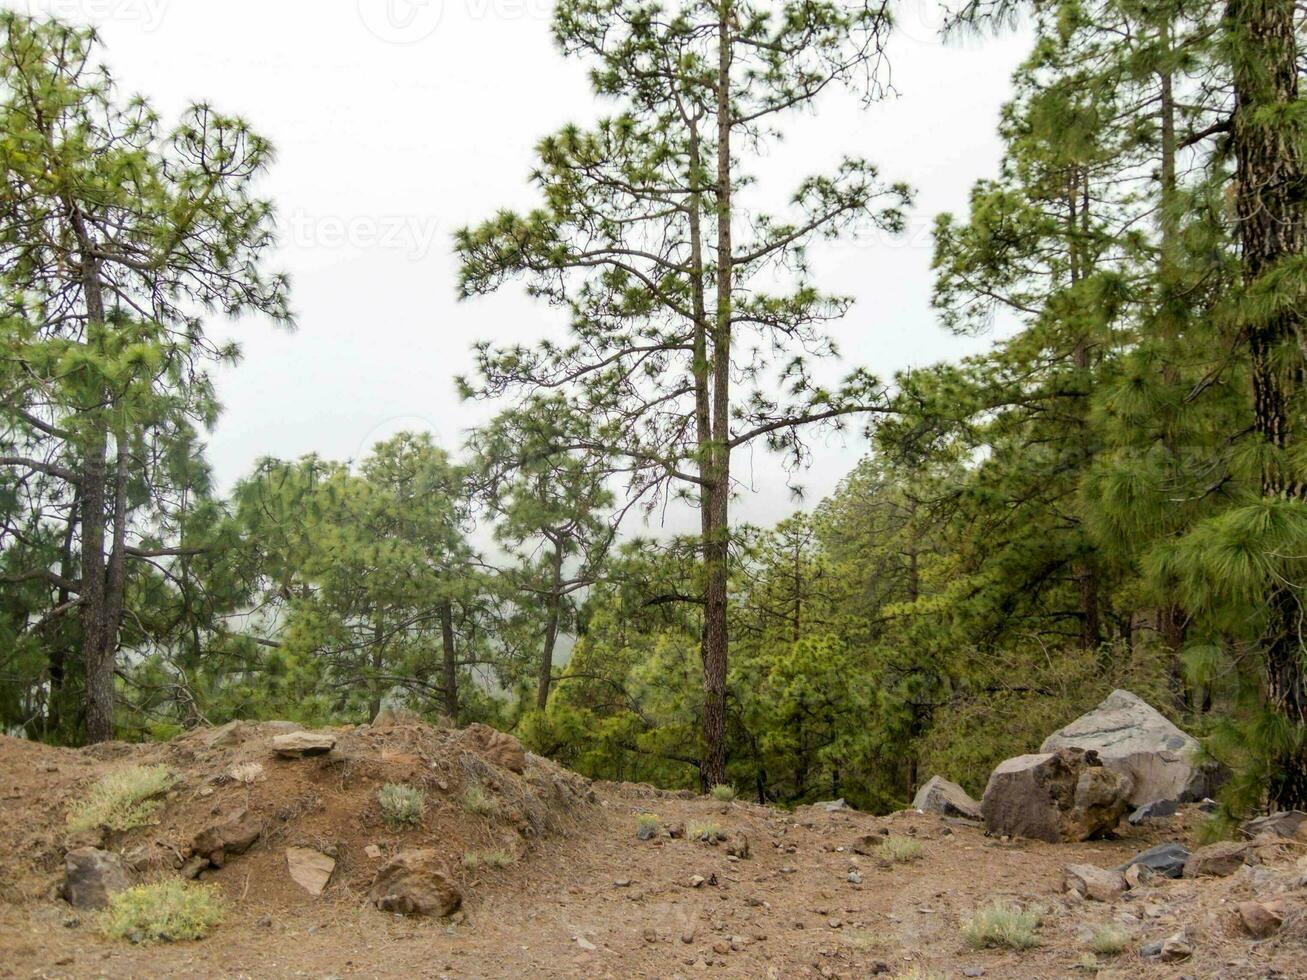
(649, 820)
(477, 800)
(1003, 924)
(1109, 941)
(124, 799)
(487, 859)
(170, 910)
(723, 793)
(401, 805)
(899, 850)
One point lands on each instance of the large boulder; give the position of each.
(1067, 795)
(948, 799)
(1133, 738)
(496, 747)
(91, 876)
(415, 883)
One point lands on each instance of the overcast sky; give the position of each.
(397, 121)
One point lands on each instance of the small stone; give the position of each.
(1261, 919)
(1219, 859)
(687, 936)
(1164, 859)
(309, 869)
(1156, 810)
(296, 745)
(585, 944)
(372, 851)
(1138, 875)
(696, 881)
(650, 934)
(738, 846)
(1093, 882)
(973, 971)
(854, 878)
(834, 923)
(721, 947)
(91, 876)
(1176, 948)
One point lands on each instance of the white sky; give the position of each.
(397, 121)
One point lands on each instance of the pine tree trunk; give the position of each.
(717, 526)
(546, 675)
(450, 661)
(1272, 228)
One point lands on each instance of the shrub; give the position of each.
(246, 772)
(920, 973)
(723, 793)
(169, 910)
(899, 850)
(477, 800)
(1109, 941)
(1002, 924)
(709, 833)
(401, 805)
(124, 799)
(487, 859)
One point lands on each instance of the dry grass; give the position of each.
(167, 911)
(1109, 941)
(723, 793)
(473, 860)
(123, 800)
(477, 800)
(1001, 924)
(401, 805)
(709, 833)
(899, 850)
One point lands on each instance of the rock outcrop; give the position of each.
(91, 876)
(1133, 738)
(1066, 795)
(496, 747)
(415, 883)
(948, 799)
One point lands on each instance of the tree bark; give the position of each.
(450, 661)
(1270, 177)
(551, 629)
(717, 527)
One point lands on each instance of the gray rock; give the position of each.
(295, 745)
(1100, 884)
(1218, 860)
(948, 799)
(1164, 859)
(91, 876)
(309, 869)
(1133, 738)
(1060, 796)
(1153, 811)
(1285, 823)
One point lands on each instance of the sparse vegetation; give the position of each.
(473, 860)
(1109, 941)
(899, 850)
(723, 793)
(709, 833)
(246, 772)
(124, 799)
(169, 911)
(1002, 924)
(920, 973)
(402, 805)
(646, 825)
(476, 800)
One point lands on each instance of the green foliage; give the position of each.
(705, 831)
(477, 801)
(166, 911)
(123, 799)
(1003, 925)
(401, 805)
(723, 793)
(474, 860)
(1110, 940)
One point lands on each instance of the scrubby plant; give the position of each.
(646, 826)
(709, 833)
(168, 911)
(899, 850)
(477, 800)
(1109, 941)
(123, 799)
(920, 973)
(1002, 924)
(487, 859)
(723, 792)
(402, 805)
(246, 772)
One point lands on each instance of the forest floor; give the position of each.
(584, 896)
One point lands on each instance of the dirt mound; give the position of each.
(558, 883)
(233, 776)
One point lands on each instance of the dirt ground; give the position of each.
(585, 897)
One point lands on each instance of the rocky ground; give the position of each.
(583, 895)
